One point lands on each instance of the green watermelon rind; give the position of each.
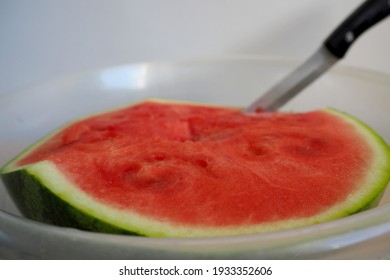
(41, 204)
(42, 193)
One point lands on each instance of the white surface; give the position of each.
(43, 39)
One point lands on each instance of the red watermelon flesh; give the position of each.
(206, 166)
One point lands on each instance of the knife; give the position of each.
(332, 50)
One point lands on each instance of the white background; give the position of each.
(44, 39)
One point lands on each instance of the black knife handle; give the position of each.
(365, 16)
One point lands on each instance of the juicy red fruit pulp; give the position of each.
(210, 166)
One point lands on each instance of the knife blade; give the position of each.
(293, 83)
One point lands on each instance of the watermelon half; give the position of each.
(169, 169)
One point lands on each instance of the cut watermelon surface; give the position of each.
(173, 169)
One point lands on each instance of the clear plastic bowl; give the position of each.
(28, 114)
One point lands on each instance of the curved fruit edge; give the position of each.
(43, 174)
(379, 177)
(38, 203)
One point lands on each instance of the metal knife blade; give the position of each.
(293, 83)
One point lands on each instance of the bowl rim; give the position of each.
(340, 68)
(378, 217)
